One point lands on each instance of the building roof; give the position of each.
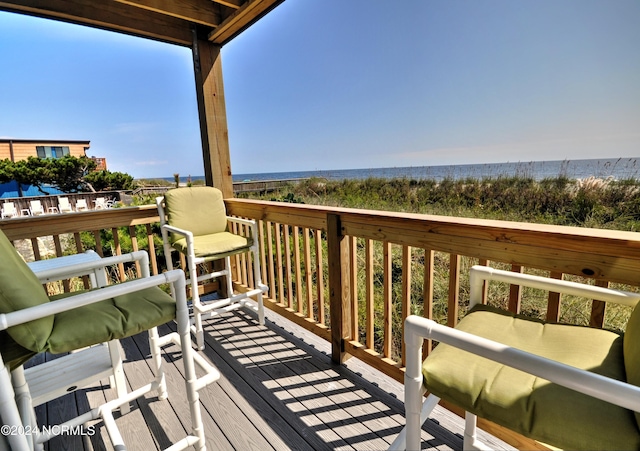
(43, 141)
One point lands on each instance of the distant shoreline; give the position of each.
(618, 168)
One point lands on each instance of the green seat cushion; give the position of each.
(527, 404)
(632, 351)
(12, 353)
(20, 289)
(115, 318)
(216, 245)
(199, 209)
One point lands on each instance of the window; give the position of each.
(52, 151)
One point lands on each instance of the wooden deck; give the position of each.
(279, 390)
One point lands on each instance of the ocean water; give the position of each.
(617, 168)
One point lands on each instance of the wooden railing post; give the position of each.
(339, 302)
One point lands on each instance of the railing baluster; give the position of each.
(353, 283)
(287, 259)
(118, 249)
(269, 250)
(153, 260)
(307, 271)
(369, 293)
(427, 295)
(263, 260)
(553, 301)
(387, 299)
(406, 292)
(319, 277)
(281, 293)
(454, 290)
(598, 308)
(298, 268)
(515, 292)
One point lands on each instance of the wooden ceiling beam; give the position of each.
(235, 4)
(250, 12)
(203, 12)
(108, 15)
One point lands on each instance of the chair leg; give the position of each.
(10, 413)
(184, 330)
(229, 281)
(118, 379)
(470, 437)
(156, 356)
(257, 277)
(195, 302)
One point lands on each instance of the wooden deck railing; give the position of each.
(352, 276)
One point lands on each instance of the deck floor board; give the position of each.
(279, 390)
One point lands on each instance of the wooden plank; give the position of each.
(387, 299)
(598, 308)
(553, 301)
(278, 237)
(406, 293)
(427, 296)
(454, 290)
(319, 277)
(369, 288)
(250, 12)
(307, 271)
(109, 16)
(256, 365)
(298, 269)
(202, 12)
(353, 285)
(212, 115)
(515, 292)
(287, 262)
(339, 310)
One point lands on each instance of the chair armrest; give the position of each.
(601, 387)
(479, 274)
(83, 268)
(90, 297)
(173, 229)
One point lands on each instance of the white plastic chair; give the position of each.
(9, 210)
(100, 203)
(36, 207)
(64, 206)
(81, 205)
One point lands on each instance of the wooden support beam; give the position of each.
(203, 12)
(108, 15)
(339, 302)
(213, 115)
(250, 12)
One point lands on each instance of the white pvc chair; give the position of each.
(81, 205)
(583, 398)
(64, 206)
(194, 222)
(36, 208)
(9, 210)
(81, 320)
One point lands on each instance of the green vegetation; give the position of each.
(68, 174)
(597, 203)
(591, 203)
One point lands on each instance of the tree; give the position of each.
(107, 180)
(68, 174)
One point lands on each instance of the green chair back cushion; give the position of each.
(632, 351)
(527, 404)
(20, 289)
(200, 210)
(119, 317)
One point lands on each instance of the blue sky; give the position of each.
(332, 84)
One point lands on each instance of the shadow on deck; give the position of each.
(279, 390)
